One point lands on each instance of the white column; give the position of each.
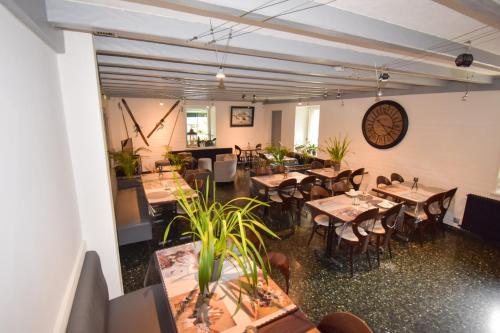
(87, 143)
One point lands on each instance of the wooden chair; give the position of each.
(395, 177)
(241, 158)
(285, 195)
(280, 261)
(258, 146)
(276, 260)
(304, 192)
(429, 217)
(444, 205)
(343, 176)
(383, 180)
(356, 178)
(320, 221)
(339, 188)
(384, 227)
(354, 236)
(317, 165)
(343, 322)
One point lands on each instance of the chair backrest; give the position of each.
(395, 177)
(306, 185)
(343, 176)
(286, 189)
(432, 207)
(364, 220)
(343, 322)
(339, 188)
(280, 262)
(318, 192)
(383, 180)
(238, 150)
(317, 165)
(389, 218)
(356, 178)
(258, 146)
(446, 200)
(89, 312)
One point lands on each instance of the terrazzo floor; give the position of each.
(450, 284)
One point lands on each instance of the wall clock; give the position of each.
(385, 124)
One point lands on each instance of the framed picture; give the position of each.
(242, 116)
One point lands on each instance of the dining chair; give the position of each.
(317, 165)
(343, 176)
(354, 235)
(383, 181)
(279, 261)
(343, 322)
(339, 188)
(444, 205)
(356, 178)
(285, 196)
(303, 193)
(395, 177)
(384, 227)
(320, 221)
(241, 158)
(427, 217)
(258, 146)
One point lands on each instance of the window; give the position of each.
(201, 120)
(306, 125)
(498, 183)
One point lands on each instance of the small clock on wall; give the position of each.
(385, 124)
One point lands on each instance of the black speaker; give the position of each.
(464, 60)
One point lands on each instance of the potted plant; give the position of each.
(127, 162)
(278, 153)
(337, 148)
(306, 151)
(222, 230)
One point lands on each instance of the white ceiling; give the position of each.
(296, 55)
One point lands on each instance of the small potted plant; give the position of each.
(222, 230)
(278, 153)
(337, 148)
(127, 163)
(306, 151)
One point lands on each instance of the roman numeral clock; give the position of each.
(385, 124)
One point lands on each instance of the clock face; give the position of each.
(385, 124)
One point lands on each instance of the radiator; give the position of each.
(482, 217)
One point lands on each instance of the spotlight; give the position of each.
(254, 99)
(220, 74)
(243, 96)
(384, 76)
(464, 60)
(339, 94)
(380, 93)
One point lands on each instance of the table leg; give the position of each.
(327, 254)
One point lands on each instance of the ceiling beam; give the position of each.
(174, 28)
(343, 27)
(484, 11)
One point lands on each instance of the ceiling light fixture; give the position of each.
(339, 94)
(379, 92)
(161, 104)
(465, 59)
(254, 99)
(338, 68)
(220, 74)
(384, 76)
(243, 96)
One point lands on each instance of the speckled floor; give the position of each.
(451, 284)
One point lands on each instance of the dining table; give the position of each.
(410, 194)
(345, 208)
(225, 310)
(164, 187)
(270, 182)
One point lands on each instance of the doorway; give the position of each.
(276, 128)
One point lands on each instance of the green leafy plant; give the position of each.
(278, 153)
(222, 230)
(174, 159)
(307, 151)
(127, 161)
(337, 148)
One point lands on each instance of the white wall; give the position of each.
(41, 247)
(148, 112)
(449, 142)
(87, 143)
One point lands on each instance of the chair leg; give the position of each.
(368, 258)
(351, 249)
(315, 226)
(389, 247)
(378, 250)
